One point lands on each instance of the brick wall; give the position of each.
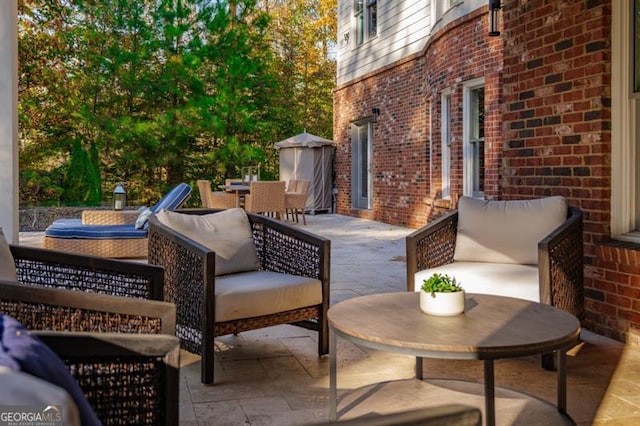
(557, 121)
(407, 155)
(400, 141)
(548, 105)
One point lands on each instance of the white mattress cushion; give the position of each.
(258, 293)
(506, 231)
(227, 233)
(500, 279)
(7, 264)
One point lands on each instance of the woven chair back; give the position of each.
(204, 186)
(215, 200)
(266, 197)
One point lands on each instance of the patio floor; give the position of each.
(273, 376)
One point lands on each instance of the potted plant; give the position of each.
(441, 295)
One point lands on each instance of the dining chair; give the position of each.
(266, 197)
(217, 199)
(296, 199)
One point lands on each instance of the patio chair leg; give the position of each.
(548, 361)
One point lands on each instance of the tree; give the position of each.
(303, 37)
(161, 92)
(82, 182)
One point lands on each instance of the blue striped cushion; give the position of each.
(73, 228)
(173, 199)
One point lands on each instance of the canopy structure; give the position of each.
(310, 157)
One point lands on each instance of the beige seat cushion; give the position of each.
(19, 388)
(7, 264)
(253, 294)
(506, 231)
(500, 279)
(227, 233)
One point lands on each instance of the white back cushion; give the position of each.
(7, 265)
(228, 233)
(506, 231)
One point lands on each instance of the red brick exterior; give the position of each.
(404, 144)
(557, 127)
(547, 132)
(400, 137)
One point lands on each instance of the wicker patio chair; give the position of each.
(128, 379)
(217, 199)
(94, 274)
(266, 197)
(190, 282)
(295, 199)
(560, 260)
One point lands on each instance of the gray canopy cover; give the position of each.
(306, 156)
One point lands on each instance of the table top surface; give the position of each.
(491, 327)
(235, 187)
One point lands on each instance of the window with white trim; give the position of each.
(625, 123)
(372, 18)
(365, 13)
(473, 138)
(445, 138)
(362, 164)
(439, 8)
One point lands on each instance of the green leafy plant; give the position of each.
(440, 283)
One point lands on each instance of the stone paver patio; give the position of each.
(273, 376)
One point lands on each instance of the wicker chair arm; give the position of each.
(44, 308)
(290, 250)
(560, 259)
(51, 268)
(109, 217)
(127, 379)
(189, 271)
(431, 246)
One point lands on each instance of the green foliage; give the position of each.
(82, 182)
(41, 186)
(169, 91)
(440, 283)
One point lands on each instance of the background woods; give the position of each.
(153, 93)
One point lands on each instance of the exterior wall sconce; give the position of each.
(375, 112)
(119, 197)
(494, 7)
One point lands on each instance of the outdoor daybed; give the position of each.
(231, 271)
(117, 241)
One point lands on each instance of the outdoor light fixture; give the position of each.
(376, 113)
(494, 7)
(119, 197)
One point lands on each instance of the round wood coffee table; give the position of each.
(492, 327)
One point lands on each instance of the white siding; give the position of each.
(404, 27)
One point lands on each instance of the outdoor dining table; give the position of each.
(237, 189)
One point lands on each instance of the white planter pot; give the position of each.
(443, 304)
